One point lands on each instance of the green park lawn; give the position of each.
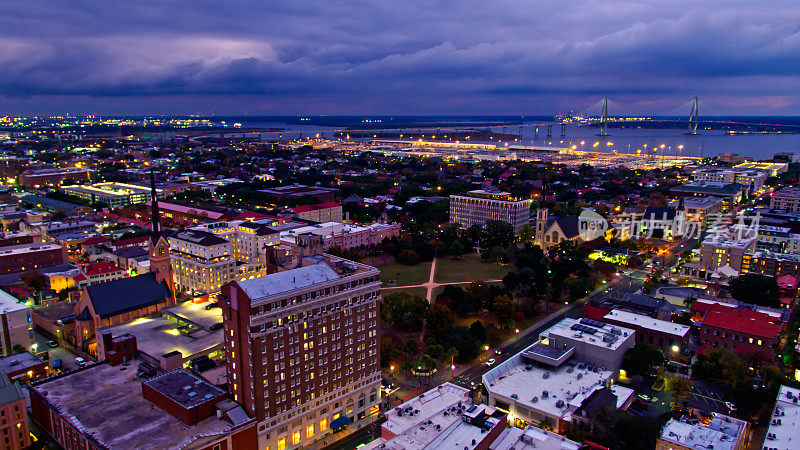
(404, 275)
(421, 291)
(467, 268)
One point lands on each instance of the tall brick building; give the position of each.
(302, 348)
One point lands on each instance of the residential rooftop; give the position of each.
(19, 362)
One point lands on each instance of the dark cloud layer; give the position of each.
(392, 57)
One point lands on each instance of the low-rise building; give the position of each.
(752, 334)
(545, 384)
(320, 212)
(670, 337)
(15, 324)
(98, 272)
(721, 250)
(784, 427)
(787, 199)
(345, 236)
(201, 261)
(730, 193)
(14, 424)
(103, 407)
(771, 264)
(113, 195)
(53, 177)
(720, 433)
(700, 209)
(29, 257)
(532, 438)
(24, 367)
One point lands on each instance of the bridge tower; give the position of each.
(693, 116)
(604, 118)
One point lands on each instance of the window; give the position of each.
(281, 443)
(296, 437)
(323, 424)
(310, 431)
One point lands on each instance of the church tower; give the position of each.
(159, 246)
(541, 218)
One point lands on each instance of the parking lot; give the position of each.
(67, 358)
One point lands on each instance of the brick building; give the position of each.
(14, 431)
(320, 212)
(28, 257)
(296, 191)
(302, 349)
(669, 337)
(751, 334)
(53, 177)
(101, 406)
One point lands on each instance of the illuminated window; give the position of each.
(281, 443)
(323, 424)
(296, 437)
(310, 431)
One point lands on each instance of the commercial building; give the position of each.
(773, 169)
(321, 212)
(787, 199)
(301, 348)
(296, 191)
(784, 427)
(24, 367)
(113, 195)
(53, 177)
(201, 261)
(771, 264)
(720, 433)
(699, 209)
(14, 430)
(15, 324)
(669, 337)
(730, 193)
(746, 332)
(532, 438)
(722, 249)
(345, 236)
(104, 407)
(28, 257)
(480, 206)
(443, 417)
(556, 377)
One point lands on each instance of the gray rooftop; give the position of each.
(290, 280)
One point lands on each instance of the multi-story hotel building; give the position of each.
(480, 206)
(201, 261)
(302, 351)
(15, 324)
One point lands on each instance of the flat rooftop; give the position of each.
(787, 192)
(700, 202)
(118, 416)
(527, 383)
(721, 433)
(9, 303)
(589, 331)
(462, 434)
(787, 411)
(409, 421)
(160, 335)
(195, 313)
(532, 438)
(184, 388)
(27, 248)
(662, 326)
(19, 361)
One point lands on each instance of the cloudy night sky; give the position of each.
(398, 57)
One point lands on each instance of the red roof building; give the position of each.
(743, 331)
(98, 272)
(594, 312)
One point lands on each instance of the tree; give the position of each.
(756, 289)
(642, 360)
(34, 281)
(498, 233)
(478, 331)
(435, 351)
(526, 233)
(389, 351)
(17, 348)
(456, 248)
(404, 310)
(678, 387)
(503, 308)
(439, 317)
(410, 346)
(408, 257)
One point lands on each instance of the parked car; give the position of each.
(648, 398)
(52, 344)
(212, 305)
(80, 362)
(731, 406)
